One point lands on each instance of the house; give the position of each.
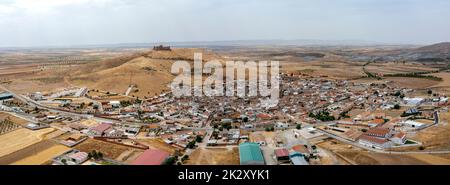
(264, 116)
(71, 157)
(77, 126)
(379, 115)
(365, 116)
(79, 157)
(73, 140)
(379, 132)
(250, 154)
(281, 125)
(115, 104)
(374, 142)
(376, 122)
(151, 157)
(282, 155)
(399, 138)
(132, 130)
(233, 134)
(297, 159)
(100, 129)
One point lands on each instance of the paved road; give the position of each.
(52, 109)
(377, 150)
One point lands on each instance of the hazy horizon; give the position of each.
(31, 23)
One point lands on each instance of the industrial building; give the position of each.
(250, 154)
(5, 95)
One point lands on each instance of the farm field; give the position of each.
(21, 138)
(43, 156)
(217, 156)
(109, 150)
(158, 144)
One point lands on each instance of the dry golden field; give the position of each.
(21, 138)
(43, 156)
(218, 156)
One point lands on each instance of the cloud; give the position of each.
(45, 6)
(6, 9)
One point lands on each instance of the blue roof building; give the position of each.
(250, 154)
(298, 159)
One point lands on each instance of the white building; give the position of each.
(413, 124)
(399, 138)
(373, 142)
(413, 101)
(115, 104)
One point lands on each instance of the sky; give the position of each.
(84, 22)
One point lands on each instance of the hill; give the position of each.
(148, 71)
(443, 47)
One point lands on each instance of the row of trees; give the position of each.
(322, 116)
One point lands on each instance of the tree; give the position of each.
(138, 101)
(298, 127)
(198, 139)
(396, 106)
(245, 120)
(100, 155)
(191, 145)
(169, 161)
(430, 91)
(185, 157)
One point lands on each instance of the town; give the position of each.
(91, 124)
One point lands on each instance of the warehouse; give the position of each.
(250, 154)
(5, 95)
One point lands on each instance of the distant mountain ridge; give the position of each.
(442, 47)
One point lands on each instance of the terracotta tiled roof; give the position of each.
(373, 139)
(377, 131)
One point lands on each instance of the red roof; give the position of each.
(263, 116)
(377, 121)
(102, 127)
(281, 152)
(378, 131)
(151, 157)
(373, 139)
(301, 149)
